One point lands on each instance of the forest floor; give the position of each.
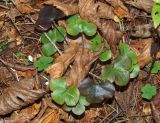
(105, 54)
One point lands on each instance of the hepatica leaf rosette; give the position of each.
(124, 67)
(67, 96)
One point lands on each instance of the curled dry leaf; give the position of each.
(111, 34)
(81, 66)
(119, 8)
(18, 95)
(94, 11)
(23, 116)
(63, 61)
(142, 49)
(146, 5)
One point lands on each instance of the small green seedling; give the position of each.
(6, 1)
(25, 62)
(155, 68)
(19, 54)
(156, 13)
(156, 1)
(148, 91)
(43, 63)
(50, 38)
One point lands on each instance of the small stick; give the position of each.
(17, 67)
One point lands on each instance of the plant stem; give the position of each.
(53, 43)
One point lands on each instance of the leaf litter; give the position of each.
(24, 99)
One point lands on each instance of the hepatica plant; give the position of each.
(68, 97)
(75, 99)
(124, 67)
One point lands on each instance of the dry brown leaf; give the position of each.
(81, 66)
(142, 49)
(23, 7)
(4, 73)
(23, 116)
(90, 116)
(119, 8)
(13, 13)
(94, 11)
(52, 116)
(19, 94)
(63, 61)
(111, 34)
(142, 4)
(68, 9)
(26, 74)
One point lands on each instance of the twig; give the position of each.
(53, 43)
(17, 67)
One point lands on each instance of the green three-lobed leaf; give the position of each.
(148, 91)
(43, 63)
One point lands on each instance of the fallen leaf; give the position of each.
(142, 48)
(81, 66)
(63, 61)
(146, 5)
(119, 8)
(23, 116)
(18, 95)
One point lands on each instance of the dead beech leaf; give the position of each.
(23, 116)
(81, 66)
(111, 34)
(142, 49)
(27, 74)
(52, 116)
(23, 7)
(68, 9)
(119, 8)
(56, 70)
(94, 11)
(63, 61)
(18, 95)
(146, 5)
